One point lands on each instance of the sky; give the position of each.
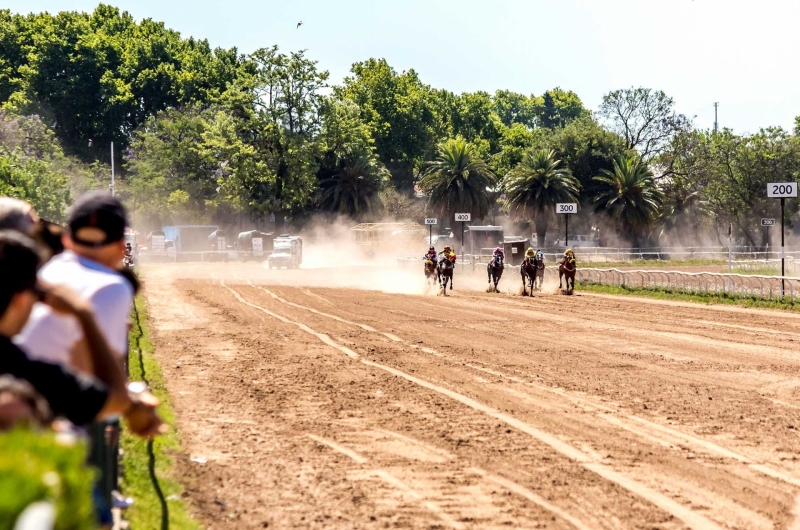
(743, 55)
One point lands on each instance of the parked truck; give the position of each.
(254, 245)
(287, 251)
(190, 238)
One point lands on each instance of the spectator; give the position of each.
(78, 398)
(20, 403)
(95, 246)
(16, 214)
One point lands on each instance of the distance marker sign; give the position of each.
(782, 190)
(567, 207)
(431, 221)
(464, 217)
(767, 222)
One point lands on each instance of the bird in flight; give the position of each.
(299, 24)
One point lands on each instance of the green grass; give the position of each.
(147, 510)
(35, 466)
(665, 294)
(651, 263)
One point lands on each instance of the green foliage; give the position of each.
(400, 111)
(120, 73)
(34, 466)
(559, 107)
(534, 187)
(629, 196)
(137, 482)
(33, 167)
(458, 180)
(723, 176)
(354, 187)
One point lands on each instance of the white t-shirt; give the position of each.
(49, 336)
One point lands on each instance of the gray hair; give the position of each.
(16, 214)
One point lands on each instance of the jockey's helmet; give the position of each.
(432, 249)
(498, 250)
(529, 252)
(447, 248)
(569, 251)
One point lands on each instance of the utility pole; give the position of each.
(716, 123)
(113, 188)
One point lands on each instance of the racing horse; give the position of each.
(446, 267)
(528, 273)
(494, 269)
(431, 275)
(567, 269)
(538, 262)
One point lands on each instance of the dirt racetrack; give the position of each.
(337, 407)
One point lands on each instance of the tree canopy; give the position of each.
(207, 134)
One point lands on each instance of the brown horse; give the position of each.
(567, 269)
(494, 270)
(528, 273)
(431, 275)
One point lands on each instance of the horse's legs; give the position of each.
(560, 276)
(522, 273)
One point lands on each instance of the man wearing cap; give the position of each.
(95, 246)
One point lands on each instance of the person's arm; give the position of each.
(139, 408)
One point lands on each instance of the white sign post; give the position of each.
(464, 218)
(782, 191)
(258, 246)
(430, 221)
(566, 208)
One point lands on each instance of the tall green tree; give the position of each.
(629, 195)
(457, 180)
(97, 76)
(558, 107)
(401, 112)
(355, 186)
(534, 187)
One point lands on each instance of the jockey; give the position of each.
(431, 255)
(569, 255)
(530, 253)
(447, 253)
(498, 252)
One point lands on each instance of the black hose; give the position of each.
(151, 462)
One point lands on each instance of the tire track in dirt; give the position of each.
(691, 518)
(648, 429)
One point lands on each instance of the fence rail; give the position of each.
(701, 283)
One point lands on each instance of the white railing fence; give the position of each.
(700, 283)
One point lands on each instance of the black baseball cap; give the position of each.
(97, 219)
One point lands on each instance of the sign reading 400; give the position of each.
(464, 217)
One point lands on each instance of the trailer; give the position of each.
(190, 238)
(254, 244)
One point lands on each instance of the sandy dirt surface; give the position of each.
(347, 398)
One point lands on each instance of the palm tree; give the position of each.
(354, 187)
(457, 180)
(630, 196)
(534, 187)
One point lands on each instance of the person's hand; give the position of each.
(141, 415)
(63, 299)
